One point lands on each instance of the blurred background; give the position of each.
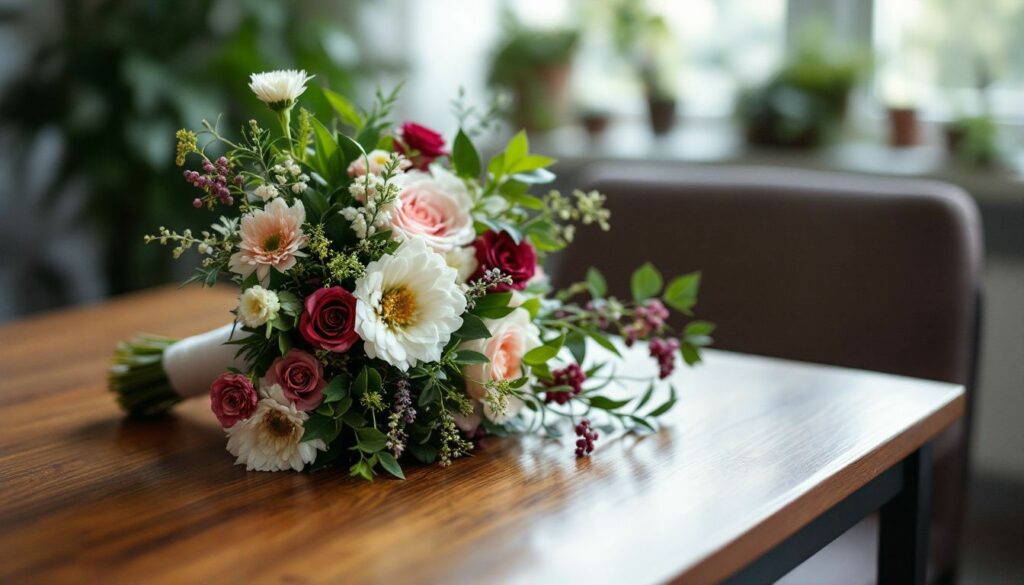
(91, 92)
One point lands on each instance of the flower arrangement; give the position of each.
(392, 306)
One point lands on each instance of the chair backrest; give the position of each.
(850, 270)
(865, 272)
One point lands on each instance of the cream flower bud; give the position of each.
(257, 305)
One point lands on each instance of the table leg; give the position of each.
(904, 524)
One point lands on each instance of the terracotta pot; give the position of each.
(541, 101)
(662, 113)
(595, 124)
(904, 129)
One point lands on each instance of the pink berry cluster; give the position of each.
(587, 436)
(214, 181)
(664, 350)
(572, 376)
(648, 318)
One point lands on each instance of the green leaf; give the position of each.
(516, 150)
(530, 162)
(494, 300)
(666, 406)
(336, 389)
(540, 355)
(284, 343)
(359, 386)
(341, 407)
(646, 282)
(699, 340)
(535, 177)
(596, 283)
(603, 341)
(429, 395)
(465, 157)
(390, 464)
(532, 306)
(544, 241)
(352, 418)
(344, 108)
(690, 353)
(328, 158)
(645, 398)
(467, 356)
(494, 312)
(472, 328)
(577, 345)
(642, 422)
(363, 469)
(370, 440)
(681, 293)
(423, 453)
(699, 328)
(605, 403)
(373, 381)
(320, 427)
(496, 166)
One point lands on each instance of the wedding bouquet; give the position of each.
(392, 303)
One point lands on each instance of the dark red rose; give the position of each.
(499, 250)
(232, 398)
(421, 144)
(301, 376)
(328, 319)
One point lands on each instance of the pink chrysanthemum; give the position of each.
(271, 237)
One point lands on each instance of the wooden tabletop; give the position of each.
(754, 450)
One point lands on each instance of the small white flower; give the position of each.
(298, 188)
(271, 439)
(279, 89)
(257, 305)
(281, 179)
(408, 305)
(266, 192)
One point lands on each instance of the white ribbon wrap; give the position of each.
(193, 363)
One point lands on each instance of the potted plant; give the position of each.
(534, 65)
(646, 40)
(974, 140)
(805, 102)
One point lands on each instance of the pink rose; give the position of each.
(328, 319)
(435, 206)
(232, 398)
(499, 250)
(511, 337)
(301, 376)
(421, 144)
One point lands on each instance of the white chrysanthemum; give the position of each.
(279, 89)
(270, 440)
(408, 305)
(463, 260)
(257, 305)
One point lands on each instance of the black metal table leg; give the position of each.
(904, 524)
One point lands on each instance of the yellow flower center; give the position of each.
(398, 307)
(272, 243)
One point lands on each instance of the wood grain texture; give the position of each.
(754, 450)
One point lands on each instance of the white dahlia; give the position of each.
(279, 89)
(270, 439)
(408, 305)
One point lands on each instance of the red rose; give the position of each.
(499, 250)
(301, 376)
(328, 319)
(232, 398)
(423, 144)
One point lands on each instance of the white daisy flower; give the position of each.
(270, 440)
(279, 89)
(408, 305)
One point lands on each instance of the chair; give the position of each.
(863, 272)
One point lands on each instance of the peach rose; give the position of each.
(436, 206)
(511, 337)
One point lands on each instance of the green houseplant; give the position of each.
(533, 65)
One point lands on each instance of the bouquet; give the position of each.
(392, 304)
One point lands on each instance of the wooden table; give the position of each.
(762, 462)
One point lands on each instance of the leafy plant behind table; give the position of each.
(805, 102)
(391, 303)
(120, 76)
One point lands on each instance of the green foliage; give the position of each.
(646, 282)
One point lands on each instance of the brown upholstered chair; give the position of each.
(863, 272)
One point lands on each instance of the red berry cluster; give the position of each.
(572, 376)
(214, 182)
(587, 436)
(664, 351)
